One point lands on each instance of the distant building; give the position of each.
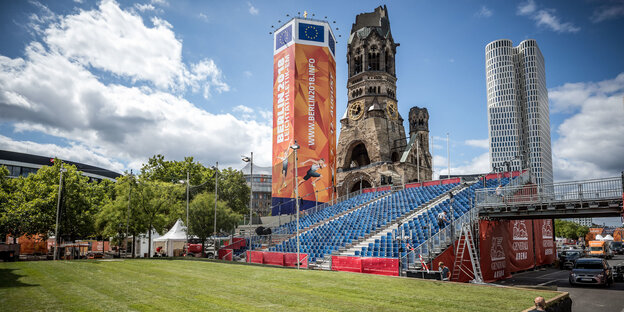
(583, 221)
(517, 103)
(261, 188)
(22, 164)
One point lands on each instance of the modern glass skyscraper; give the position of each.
(517, 103)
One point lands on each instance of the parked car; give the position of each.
(591, 271)
(568, 258)
(617, 248)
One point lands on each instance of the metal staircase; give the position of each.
(466, 244)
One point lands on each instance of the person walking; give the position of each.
(444, 270)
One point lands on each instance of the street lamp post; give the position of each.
(452, 216)
(448, 155)
(128, 213)
(188, 187)
(216, 169)
(250, 160)
(58, 210)
(295, 147)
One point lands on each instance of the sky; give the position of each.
(113, 83)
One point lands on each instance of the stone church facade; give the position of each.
(373, 149)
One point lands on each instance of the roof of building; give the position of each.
(39, 161)
(373, 21)
(257, 170)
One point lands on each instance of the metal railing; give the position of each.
(590, 190)
(438, 241)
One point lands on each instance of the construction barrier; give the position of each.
(225, 254)
(277, 258)
(379, 266)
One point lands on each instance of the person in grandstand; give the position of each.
(312, 172)
(444, 270)
(442, 219)
(284, 168)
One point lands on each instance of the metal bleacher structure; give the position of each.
(590, 198)
(402, 222)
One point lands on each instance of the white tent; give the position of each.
(608, 237)
(599, 237)
(174, 239)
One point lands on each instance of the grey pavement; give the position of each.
(584, 298)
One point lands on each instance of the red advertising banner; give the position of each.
(411, 185)
(520, 246)
(379, 266)
(304, 110)
(493, 236)
(273, 258)
(544, 242)
(451, 181)
(225, 254)
(290, 260)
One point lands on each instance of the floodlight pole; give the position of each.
(188, 186)
(58, 209)
(128, 212)
(448, 156)
(296, 186)
(251, 194)
(216, 169)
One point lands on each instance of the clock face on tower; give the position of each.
(356, 110)
(391, 110)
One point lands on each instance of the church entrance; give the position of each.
(356, 186)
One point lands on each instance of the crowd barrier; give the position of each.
(511, 174)
(286, 259)
(379, 266)
(225, 254)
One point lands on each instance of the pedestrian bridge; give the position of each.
(526, 200)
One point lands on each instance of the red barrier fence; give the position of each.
(379, 266)
(411, 185)
(237, 243)
(451, 181)
(225, 254)
(277, 258)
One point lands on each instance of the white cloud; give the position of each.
(526, 8)
(590, 143)
(243, 109)
(608, 12)
(252, 9)
(484, 12)
(484, 143)
(54, 89)
(79, 1)
(144, 7)
(204, 17)
(479, 164)
(247, 74)
(545, 18)
(160, 2)
(126, 47)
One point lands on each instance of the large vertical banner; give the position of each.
(520, 245)
(493, 247)
(544, 242)
(304, 107)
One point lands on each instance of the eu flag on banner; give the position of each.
(283, 37)
(311, 32)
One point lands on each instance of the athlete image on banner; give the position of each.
(284, 171)
(312, 172)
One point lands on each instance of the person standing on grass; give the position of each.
(446, 273)
(540, 304)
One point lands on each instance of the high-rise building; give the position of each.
(517, 103)
(261, 191)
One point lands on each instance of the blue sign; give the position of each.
(311, 32)
(283, 37)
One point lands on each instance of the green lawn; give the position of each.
(174, 285)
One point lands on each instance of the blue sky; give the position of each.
(113, 83)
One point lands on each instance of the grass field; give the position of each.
(175, 285)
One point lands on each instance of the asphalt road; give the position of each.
(584, 298)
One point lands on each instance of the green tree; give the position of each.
(201, 211)
(569, 229)
(155, 200)
(234, 190)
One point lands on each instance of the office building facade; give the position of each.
(517, 105)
